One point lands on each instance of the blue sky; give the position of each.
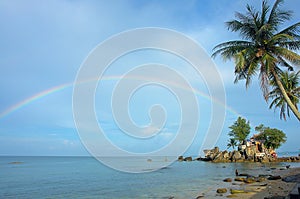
(44, 43)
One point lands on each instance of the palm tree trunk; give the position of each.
(285, 96)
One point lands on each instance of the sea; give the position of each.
(86, 177)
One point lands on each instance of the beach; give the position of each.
(268, 189)
(280, 187)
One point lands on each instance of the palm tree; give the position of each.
(290, 82)
(231, 143)
(264, 49)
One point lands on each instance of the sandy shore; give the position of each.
(279, 187)
(265, 188)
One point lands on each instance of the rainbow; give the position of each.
(8, 111)
(33, 98)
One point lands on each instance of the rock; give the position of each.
(250, 152)
(180, 158)
(263, 185)
(188, 159)
(292, 178)
(221, 157)
(249, 180)
(232, 196)
(244, 174)
(239, 179)
(236, 155)
(222, 190)
(261, 179)
(227, 180)
(234, 191)
(274, 178)
(263, 175)
(205, 159)
(226, 155)
(198, 159)
(211, 154)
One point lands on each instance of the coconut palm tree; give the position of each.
(232, 143)
(264, 49)
(290, 82)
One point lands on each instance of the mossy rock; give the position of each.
(235, 191)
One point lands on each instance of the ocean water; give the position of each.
(85, 177)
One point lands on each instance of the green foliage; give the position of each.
(240, 129)
(273, 138)
(290, 82)
(265, 48)
(231, 143)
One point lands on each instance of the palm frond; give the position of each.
(289, 55)
(264, 12)
(292, 30)
(278, 16)
(228, 49)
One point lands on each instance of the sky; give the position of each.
(45, 43)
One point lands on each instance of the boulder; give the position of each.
(292, 178)
(250, 151)
(227, 180)
(261, 179)
(244, 174)
(180, 158)
(221, 157)
(211, 154)
(239, 179)
(235, 191)
(188, 159)
(236, 155)
(274, 178)
(226, 155)
(249, 180)
(222, 190)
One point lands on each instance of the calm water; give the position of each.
(85, 177)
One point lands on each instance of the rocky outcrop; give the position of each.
(248, 154)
